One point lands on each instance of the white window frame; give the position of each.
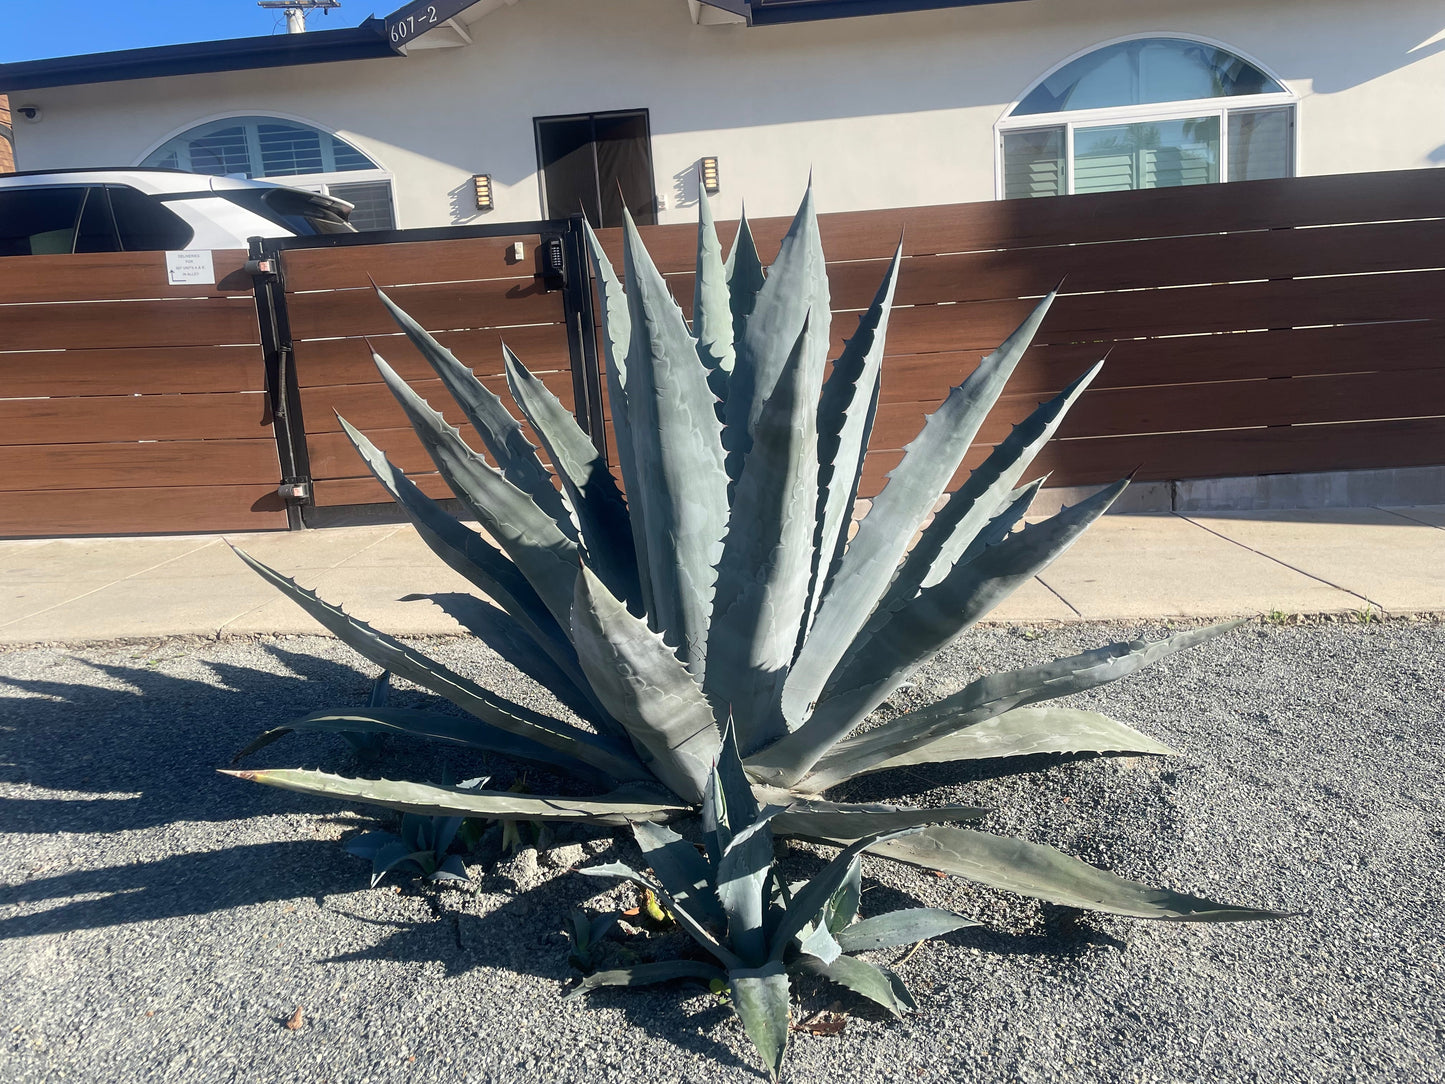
(319, 183)
(1072, 119)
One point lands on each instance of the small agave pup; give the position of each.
(725, 585)
(732, 902)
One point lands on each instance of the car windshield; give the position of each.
(300, 212)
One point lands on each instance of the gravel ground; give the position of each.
(163, 922)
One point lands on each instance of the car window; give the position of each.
(39, 221)
(96, 232)
(146, 224)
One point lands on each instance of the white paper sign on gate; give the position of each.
(193, 268)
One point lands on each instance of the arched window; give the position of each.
(1146, 113)
(289, 152)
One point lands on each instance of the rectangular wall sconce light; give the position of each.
(709, 176)
(483, 182)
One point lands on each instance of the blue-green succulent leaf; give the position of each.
(530, 537)
(762, 999)
(464, 730)
(908, 498)
(691, 923)
(452, 869)
(877, 984)
(684, 872)
(921, 628)
(744, 271)
(646, 688)
(649, 975)
(742, 878)
(846, 411)
(712, 316)
(795, 289)
(816, 819)
(605, 530)
(994, 694)
(613, 810)
(1043, 872)
(900, 928)
(602, 753)
(469, 554)
(677, 441)
(616, 342)
(762, 581)
(514, 454)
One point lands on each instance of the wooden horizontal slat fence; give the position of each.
(128, 405)
(1256, 328)
(468, 292)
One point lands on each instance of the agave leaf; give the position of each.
(604, 754)
(816, 819)
(884, 534)
(500, 432)
(845, 421)
(530, 537)
(390, 855)
(645, 688)
(444, 831)
(452, 869)
(712, 316)
(995, 694)
(762, 1000)
(796, 286)
(744, 271)
(817, 940)
(762, 580)
(690, 922)
(458, 730)
(1035, 869)
(729, 798)
(616, 342)
(919, 629)
(809, 902)
(677, 441)
(742, 876)
(612, 810)
(681, 869)
(1029, 731)
(473, 557)
(979, 500)
(368, 844)
(877, 984)
(842, 909)
(605, 530)
(900, 928)
(649, 975)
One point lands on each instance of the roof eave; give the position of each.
(365, 42)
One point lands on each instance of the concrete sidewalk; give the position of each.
(1127, 567)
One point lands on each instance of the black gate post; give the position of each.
(582, 332)
(282, 389)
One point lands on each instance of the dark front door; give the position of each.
(597, 163)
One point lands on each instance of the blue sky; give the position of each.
(39, 29)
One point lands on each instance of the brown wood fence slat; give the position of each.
(371, 406)
(464, 259)
(330, 362)
(1071, 220)
(140, 464)
(164, 370)
(173, 510)
(109, 276)
(115, 324)
(110, 418)
(339, 492)
(450, 306)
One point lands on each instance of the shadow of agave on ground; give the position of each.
(179, 886)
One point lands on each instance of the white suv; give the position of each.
(133, 210)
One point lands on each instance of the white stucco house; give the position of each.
(562, 104)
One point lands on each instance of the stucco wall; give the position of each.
(886, 111)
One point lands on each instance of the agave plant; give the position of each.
(732, 902)
(725, 584)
